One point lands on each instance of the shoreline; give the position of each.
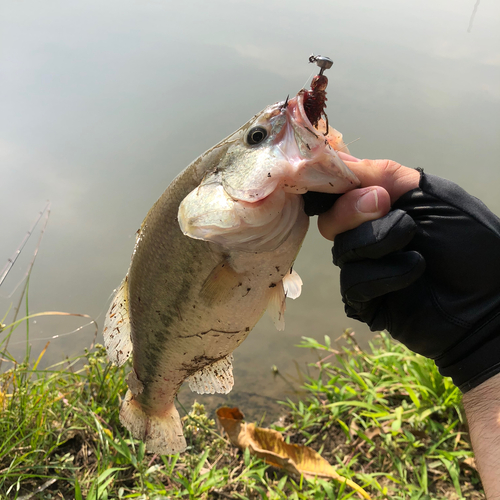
(384, 418)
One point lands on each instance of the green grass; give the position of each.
(385, 418)
(389, 411)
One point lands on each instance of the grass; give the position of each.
(385, 418)
(403, 429)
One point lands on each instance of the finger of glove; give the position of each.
(374, 239)
(317, 203)
(368, 279)
(373, 313)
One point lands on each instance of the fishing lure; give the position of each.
(315, 99)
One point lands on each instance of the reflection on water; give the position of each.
(103, 103)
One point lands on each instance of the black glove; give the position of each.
(317, 203)
(429, 274)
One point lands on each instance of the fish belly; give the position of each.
(190, 304)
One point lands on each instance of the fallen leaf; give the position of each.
(353, 428)
(470, 462)
(269, 445)
(370, 434)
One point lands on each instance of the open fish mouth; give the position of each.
(314, 164)
(296, 157)
(295, 108)
(250, 200)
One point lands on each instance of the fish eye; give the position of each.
(256, 135)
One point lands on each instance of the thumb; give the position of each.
(352, 209)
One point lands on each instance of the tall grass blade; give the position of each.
(12, 260)
(28, 274)
(40, 356)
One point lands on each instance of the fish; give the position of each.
(214, 253)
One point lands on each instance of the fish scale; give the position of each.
(214, 252)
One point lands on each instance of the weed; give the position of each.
(386, 419)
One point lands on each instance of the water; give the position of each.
(103, 103)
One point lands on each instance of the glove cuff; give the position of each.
(474, 359)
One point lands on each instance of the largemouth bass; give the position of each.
(214, 252)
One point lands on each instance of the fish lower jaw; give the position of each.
(248, 227)
(325, 175)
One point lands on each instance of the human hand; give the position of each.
(382, 182)
(428, 271)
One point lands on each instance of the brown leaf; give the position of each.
(269, 445)
(376, 431)
(470, 462)
(353, 428)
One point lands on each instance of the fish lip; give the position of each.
(297, 117)
(297, 104)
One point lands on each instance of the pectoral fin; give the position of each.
(277, 305)
(289, 286)
(219, 285)
(292, 284)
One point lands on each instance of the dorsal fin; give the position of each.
(116, 330)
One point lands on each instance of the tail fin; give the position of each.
(162, 434)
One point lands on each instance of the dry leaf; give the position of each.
(269, 445)
(470, 462)
(376, 431)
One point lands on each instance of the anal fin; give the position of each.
(116, 330)
(217, 377)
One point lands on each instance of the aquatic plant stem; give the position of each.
(26, 287)
(12, 260)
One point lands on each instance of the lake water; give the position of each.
(104, 102)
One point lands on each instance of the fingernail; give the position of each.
(368, 203)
